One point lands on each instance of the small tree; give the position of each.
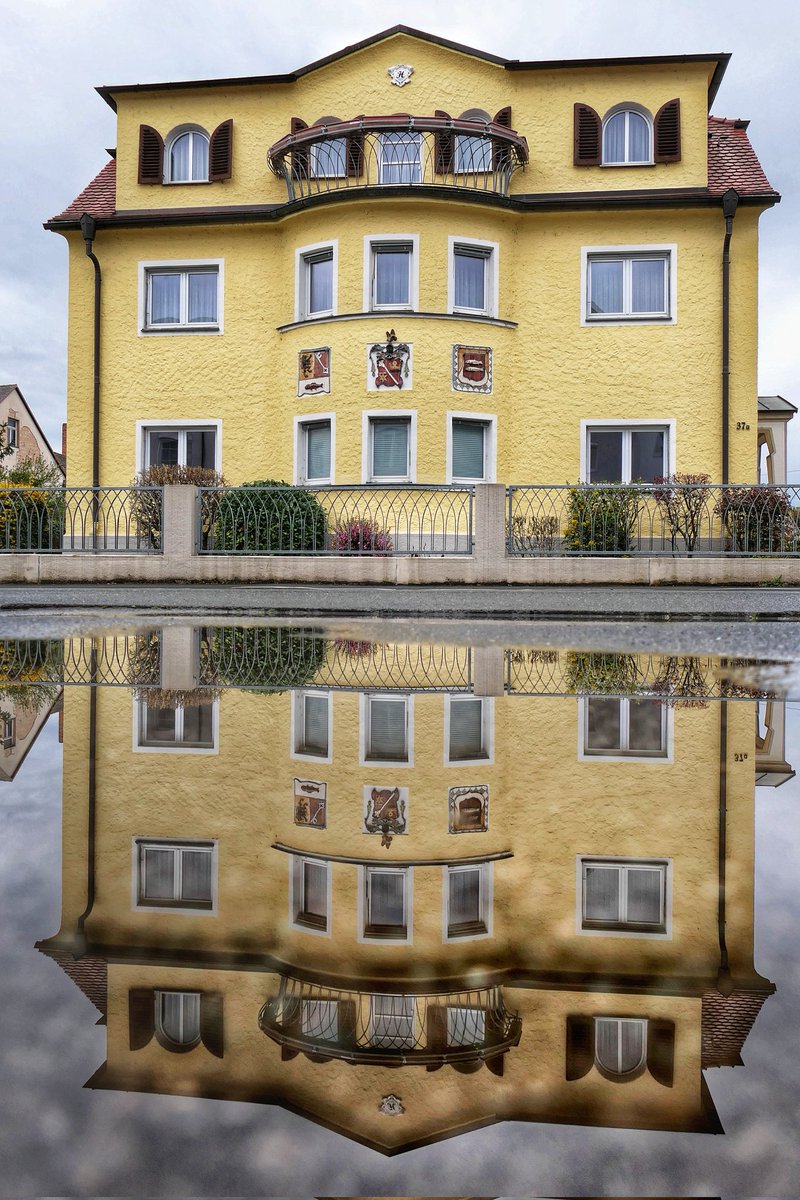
(682, 502)
(603, 518)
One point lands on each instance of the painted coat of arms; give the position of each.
(389, 363)
(472, 368)
(314, 372)
(385, 812)
(310, 803)
(469, 809)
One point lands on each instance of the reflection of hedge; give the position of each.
(589, 673)
(602, 518)
(30, 671)
(269, 658)
(31, 518)
(268, 515)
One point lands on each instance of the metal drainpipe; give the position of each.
(91, 824)
(89, 229)
(730, 200)
(724, 980)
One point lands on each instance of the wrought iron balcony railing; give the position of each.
(399, 151)
(462, 1029)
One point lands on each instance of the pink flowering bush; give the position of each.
(361, 537)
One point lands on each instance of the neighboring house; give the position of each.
(774, 415)
(543, 240)
(23, 431)
(20, 726)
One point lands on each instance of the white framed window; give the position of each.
(387, 730)
(391, 1022)
(473, 277)
(177, 1017)
(627, 137)
(179, 443)
(624, 896)
(181, 297)
(467, 896)
(465, 1026)
(400, 158)
(315, 448)
(471, 451)
(391, 272)
(186, 155)
(320, 1020)
(389, 452)
(328, 160)
(174, 876)
(626, 451)
(629, 284)
(624, 729)
(316, 280)
(8, 732)
(12, 432)
(310, 894)
(385, 904)
(468, 730)
(312, 725)
(186, 728)
(620, 1044)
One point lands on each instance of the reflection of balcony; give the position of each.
(462, 1029)
(399, 151)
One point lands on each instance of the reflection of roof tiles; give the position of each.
(89, 974)
(727, 1020)
(732, 161)
(98, 198)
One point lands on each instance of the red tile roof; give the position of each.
(727, 1020)
(98, 198)
(732, 161)
(89, 973)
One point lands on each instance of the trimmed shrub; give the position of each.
(603, 518)
(146, 506)
(362, 537)
(268, 658)
(268, 516)
(31, 506)
(758, 520)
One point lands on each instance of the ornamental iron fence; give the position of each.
(124, 660)
(47, 520)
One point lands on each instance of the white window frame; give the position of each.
(408, 905)
(410, 135)
(667, 250)
(623, 861)
(179, 266)
(12, 432)
(410, 1015)
(477, 1012)
(300, 426)
(297, 709)
(302, 280)
(364, 701)
(491, 277)
(628, 107)
(296, 901)
(139, 710)
(489, 420)
(143, 428)
(487, 718)
(367, 417)
(174, 844)
(372, 240)
(622, 1021)
(170, 141)
(625, 756)
(487, 148)
(667, 425)
(159, 1028)
(485, 901)
(313, 157)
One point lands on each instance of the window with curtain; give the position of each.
(392, 1022)
(469, 448)
(186, 157)
(174, 446)
(473, 154)
(178, 1017)
(400, 157)
(624, 896)
(471, 271)
(467, 741)
(620, 1044)
(178, 875)
(390, 445)
(620, 727)
(317, 283)
(391, 275)
(628, 286)
(637, 454)
(466, 887)
(310, 893)
(187, 726)
(328, 160)
(387, 730)
(320, 1020)
(182, 298)
(312, 722)
(465, 1026)
(316, 451)
(627, 138)
(386, 902)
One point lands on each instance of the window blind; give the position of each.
(387, 730)
(318, 450)
(469, 449)
(466, 729)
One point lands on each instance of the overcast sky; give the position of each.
(54, 127)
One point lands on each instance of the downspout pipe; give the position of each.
(89, 230)
(730, 202)
(724, 979)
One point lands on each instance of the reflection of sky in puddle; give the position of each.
(62, 1139)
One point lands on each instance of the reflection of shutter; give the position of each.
(444, 145)
(661, 1050)
(588, 135)
(436, 1031)
(211, 1031)
(299, 156)
(220, 154)
(347, 1023)
(141, 1016)
(667, 132)
(500, 154)
(580, 1046)
(151, 155)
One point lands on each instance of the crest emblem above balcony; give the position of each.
(400, 75)
(472, 369)
(389, 364)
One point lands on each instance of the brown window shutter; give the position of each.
(299, 156)
(220, 153)
(580, 1046)
(443, 147)
(496, 1064)
(667, 132)
(500, 154)
(661, 1051)
(211, 1031)
(141, 1016)
(503, 117)
(355, 156)
(436, 1021)
(151, 155)
(588, 137)
(347, 1023)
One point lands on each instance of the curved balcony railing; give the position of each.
(463, 1029)
(399, 151)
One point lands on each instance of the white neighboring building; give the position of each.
(774, 415)
(23, 431)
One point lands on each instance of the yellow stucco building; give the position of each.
(416, 261)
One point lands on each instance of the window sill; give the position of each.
(187, 182)
(403, 313)
(614, 166)
(180, 330)
(617, 319)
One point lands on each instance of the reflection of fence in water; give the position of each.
(117, 661)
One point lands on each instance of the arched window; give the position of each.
(473, 154)
(627, 136)
(186, 157)
(178, 1018)
(620, 1045)
(328, 159)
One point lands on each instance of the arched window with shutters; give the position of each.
(177, 1019)
(620, 1046)
(328, 159)
(473, 154)
(627, 136)
(186, 155)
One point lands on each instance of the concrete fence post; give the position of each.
(488, 674)
(178, 522)
(490, 532)
(179, 659)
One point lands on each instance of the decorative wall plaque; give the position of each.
(400, 74)
(472, 368)
(385, 811)
(389, 364)
(310, 803)
(314, 372)
(469, 809)
(391, 1106)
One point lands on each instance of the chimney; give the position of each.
(64, 439)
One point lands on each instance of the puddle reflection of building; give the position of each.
(578, 936)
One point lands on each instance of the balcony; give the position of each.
(463, 1029)
(399, 151)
